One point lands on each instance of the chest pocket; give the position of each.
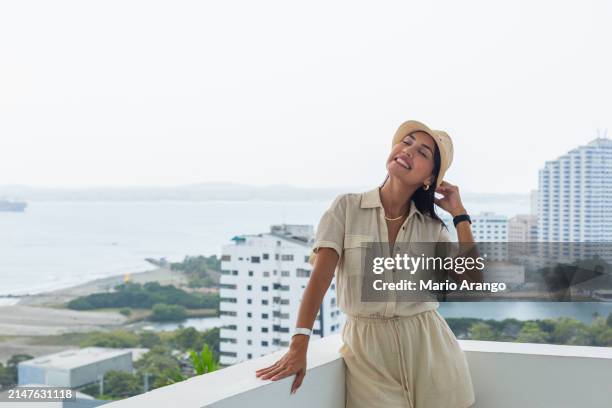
(355, 247)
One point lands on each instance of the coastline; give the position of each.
(43, 314)
(57, 297)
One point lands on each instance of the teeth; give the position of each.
(403, 163)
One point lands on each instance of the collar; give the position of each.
(371, 199)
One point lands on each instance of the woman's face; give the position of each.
(412, 159)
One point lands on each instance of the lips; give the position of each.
(403, 162)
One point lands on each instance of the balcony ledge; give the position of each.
(504, 375)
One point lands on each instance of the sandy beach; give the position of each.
(57, 297)
(43, 314)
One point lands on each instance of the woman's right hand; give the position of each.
(293, 362)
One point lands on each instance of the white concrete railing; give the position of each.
(504, 375)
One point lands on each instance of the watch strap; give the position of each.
(463, 217)
(302, 330)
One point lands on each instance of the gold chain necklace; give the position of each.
(397, 218)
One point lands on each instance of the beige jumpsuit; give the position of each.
(397, 353)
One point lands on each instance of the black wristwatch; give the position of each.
(462, 217)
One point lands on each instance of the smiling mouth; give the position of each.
(402, 163)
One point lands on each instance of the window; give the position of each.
(255, 259)
(228, 353)
(249, 342)
(265, 256)
(287, 257)
(264, 329)
(249, 328)
(266, 274)
(264, 288)
(302, 273)
(227, 286)
(227, 313)
(249, 301)
(249, 355)
(264, 315)
(249, 314)
(250, 273)
(235, 273)
(284, 273)
(226, 257)
(264, 343)
(264, 301)
(249, 287)
(228, 300)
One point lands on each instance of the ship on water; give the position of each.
(8, 205)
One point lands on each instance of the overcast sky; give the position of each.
(120, 93)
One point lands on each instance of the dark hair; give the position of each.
(424, 199)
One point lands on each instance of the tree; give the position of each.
(531, 333)
(149, 339)
(187, 338)
(482, 331)
(121, 384)
(571, 331)
(160, 364)
(163, 312)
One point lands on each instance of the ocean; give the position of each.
(57, 244)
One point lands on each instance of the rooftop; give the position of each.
(69, 359)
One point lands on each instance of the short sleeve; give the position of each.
(330, 231)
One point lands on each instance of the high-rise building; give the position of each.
(523, 228)
(575, 195)
(262, 283)
(486, 227)
(533, 202)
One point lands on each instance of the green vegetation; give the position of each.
(8, 373)
(165, 363)
(135, 295)
(126, 311)
(201, 271)
(563, 330)
(165, 313)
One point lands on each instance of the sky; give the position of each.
(163, 93)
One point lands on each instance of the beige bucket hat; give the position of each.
(442, 139)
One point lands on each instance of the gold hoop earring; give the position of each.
(426, 187)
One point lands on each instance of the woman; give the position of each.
(397, 354)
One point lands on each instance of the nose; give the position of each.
(407, 151)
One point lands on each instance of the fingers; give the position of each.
(298, 380)
(266, 370)
(273, 373)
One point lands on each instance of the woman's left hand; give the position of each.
(451, 200)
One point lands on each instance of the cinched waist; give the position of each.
(381, 319)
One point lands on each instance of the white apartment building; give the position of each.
(575, 195)
(534, 196)
(486, 227)
(523, 228)
(262, 282)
